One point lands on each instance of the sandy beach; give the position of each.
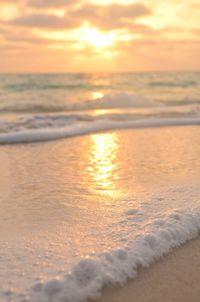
(174, 278)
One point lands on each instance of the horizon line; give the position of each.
(92, 72)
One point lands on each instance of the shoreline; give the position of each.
(173, 278)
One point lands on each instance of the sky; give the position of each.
(106, 36)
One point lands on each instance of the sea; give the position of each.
(99, 177)
(43, 107)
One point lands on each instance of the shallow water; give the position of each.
(61, 201)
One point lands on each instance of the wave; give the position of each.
(115, 100)
(46, 128)
(182, 102)
(107, 112)
(20, 87)
(118, 100)
(182, 84)
(90, 275)
(33, 108)
(105, 101)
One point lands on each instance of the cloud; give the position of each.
(109, 17)
(25, 37)
(10, 1)
(44, 21)
(49, 3)
(112, 16)
(161, 35)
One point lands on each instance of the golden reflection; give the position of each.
(102, 170)
(98, 112)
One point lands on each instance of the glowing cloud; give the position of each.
(127, 35)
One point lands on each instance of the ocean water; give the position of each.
(44, 107)
(87, 211)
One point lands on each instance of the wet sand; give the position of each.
(174, 278)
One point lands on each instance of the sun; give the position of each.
(97, 38)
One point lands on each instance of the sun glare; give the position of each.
(97, 38)
(97, 95)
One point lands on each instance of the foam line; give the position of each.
(90, 275)
(87, 127)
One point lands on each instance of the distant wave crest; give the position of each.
(182, 84)
(116, 100)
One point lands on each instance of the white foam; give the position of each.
(40, 133)
(90, 275)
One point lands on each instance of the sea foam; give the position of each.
(90, 275)
(53, 129)
(106, 112)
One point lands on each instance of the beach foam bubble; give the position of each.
(90, 275)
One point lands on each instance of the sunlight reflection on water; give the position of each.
(103, 164)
